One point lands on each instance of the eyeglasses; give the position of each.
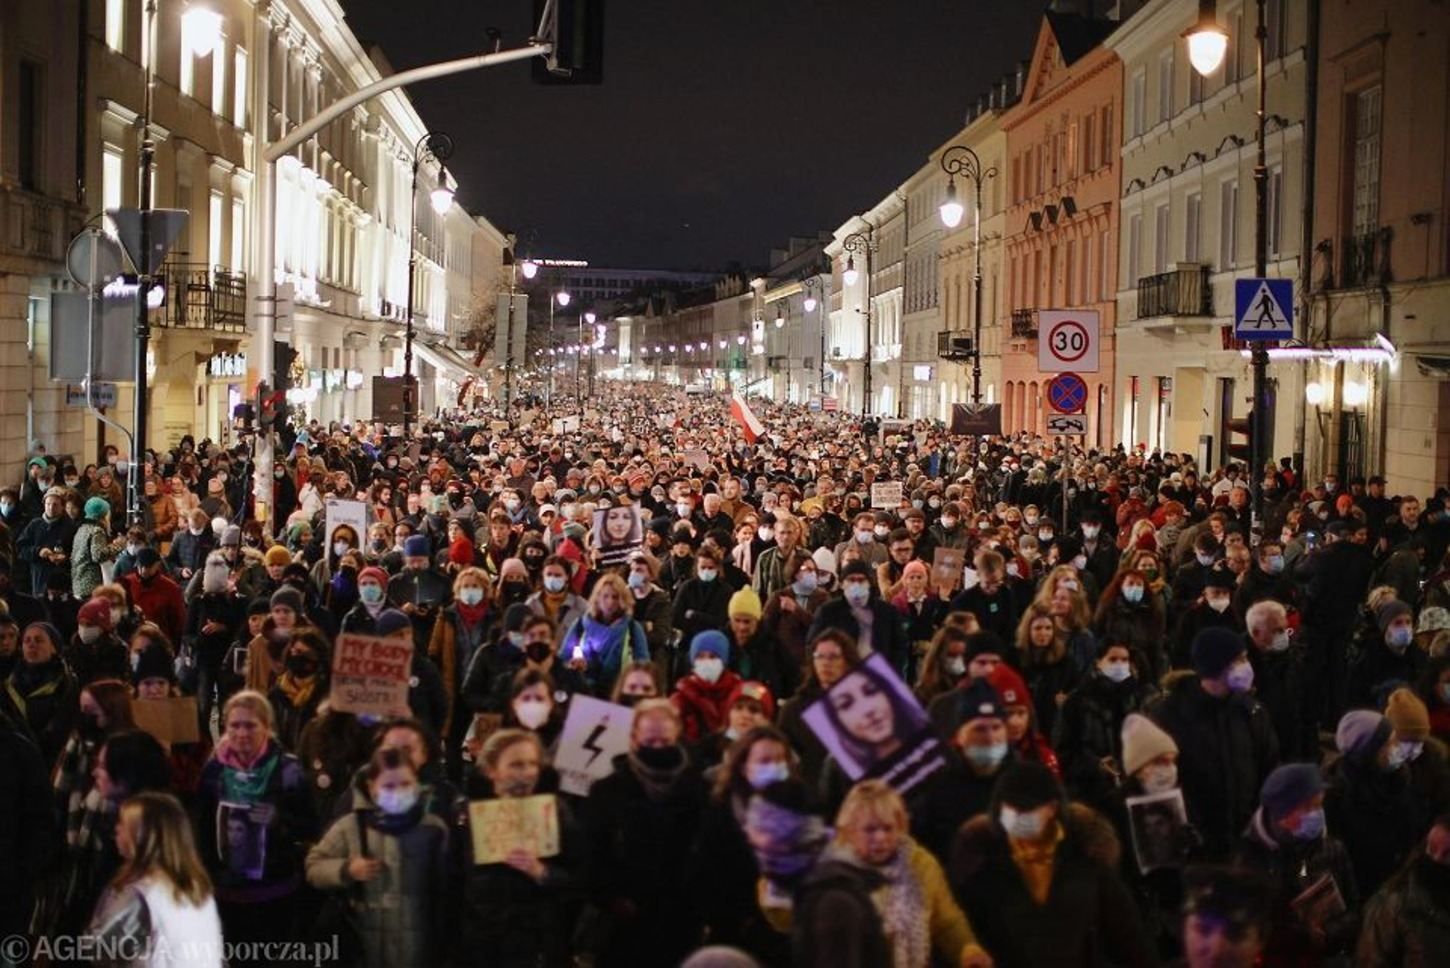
(827, 657)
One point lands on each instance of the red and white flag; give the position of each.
(749, 422)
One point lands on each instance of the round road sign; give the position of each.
(1068, 341)
(1067, 393)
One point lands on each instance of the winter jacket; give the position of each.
(790, 626)
(105, 658)
(188, 552)
(453, 647)
(763, 659)
(834, 922)
(43, 700)
(700, 605)
(90, 548)
(1281, 684)
(333, 746)
(1407, 924)
(803, 740)
(27, 824)
(1142, 626)
(1376, 815)
(606, 648)
(1088, 917)
(1046, 681)
(1226, 749)
(948, 798)
(565, 612)
(57, 535)
(1197, 617)
(1376, 670)
(223, 608)
(1089, 729)
(1334, 579)
(654, 613)
(701, 704)
(888, 631)
(159, 599)
(995, 613)
(398, 912)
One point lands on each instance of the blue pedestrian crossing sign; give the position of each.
(1263, 309)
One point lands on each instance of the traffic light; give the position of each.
(577, 34)
(1241, 450)
(266, 412)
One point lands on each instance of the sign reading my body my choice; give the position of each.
(370, 675)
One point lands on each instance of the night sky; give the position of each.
(722, 127)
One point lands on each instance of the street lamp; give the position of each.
(961, 160)
(1207, 43)
(436, 147)
(865, 243)
(811, 283)
(561, 299)
(529, 268)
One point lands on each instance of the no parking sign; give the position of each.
(1067, 340)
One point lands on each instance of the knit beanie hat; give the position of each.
(856, 569)
(50, 632)
(1220, 578)
(1143, 742)
(258, 606)
(215, 573)
(711, 641)
(390, 620)
(155, 663)
(1009, 686)
(977, 701)
(417, 546)
(745, 603)
(147, 557)
(1361, 733)
(1288, 786)
(232, 537)
(984, 643)
(277, 557)
(97, 508)
(825, 559)
(460, 552)
(759, 692)
(97, 612)
(1214, 650)
(1390, 611)
(374, 573)
(289, 597)
(515, 616)
(915, 567)
(1026, 785)
(1408, 715)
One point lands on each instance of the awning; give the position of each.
(448, 361)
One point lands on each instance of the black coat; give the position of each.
(1335, 580)
(105, 658)
(1280, 683)
(1377, 816)
(948, 798)
(1090, 727)
(44, 701)
(1226, 748)
(995, 613)
(888, 630)
(1375, 670)
(731, 910)
(1195, 619)
(803, 740)
(764, 659)
(700, 605)
(27, 824)
(834, 922)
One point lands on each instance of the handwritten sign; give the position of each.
(947, 565)
(514, 823)
(170, 720)
(370, 675)
(696, 457)
(886, 494)
(595, 732)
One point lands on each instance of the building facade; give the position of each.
(1062, 212)
(866, 310)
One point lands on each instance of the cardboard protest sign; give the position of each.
(499, 426)
(349, 514)
(595, 732)
(170, 720)
(947, 566)
(1157, 822)
(886, 494)
(514, 823)
(696, 457)
(566, 425)
(873, 726)
(370, 675)
(618, 533)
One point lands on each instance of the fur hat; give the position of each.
(215, 573)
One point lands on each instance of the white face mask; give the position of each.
(1022, 826)
(531, 713)
(956, 665)
(1220, 604)
(1158, 778)
(89, 633)
(397, 801)
(1116, 671)
(709, 669)
(1281, 641)
(762, 775)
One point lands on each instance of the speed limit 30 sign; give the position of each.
(1067, 340)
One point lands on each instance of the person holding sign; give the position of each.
(517, 911)
(391, 855)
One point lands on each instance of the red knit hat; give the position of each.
(1009, 686)
(758, 691)
(97, 612)
(375, 573)
(460, 552)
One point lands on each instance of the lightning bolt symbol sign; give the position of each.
(589, 743)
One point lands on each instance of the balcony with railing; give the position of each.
(954, 346)
(1024, 324)
(1180, 297)
(199, 296)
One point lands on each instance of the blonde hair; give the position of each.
(613, 581)
(253, 702)
(870, 800)
(474, 572)
(161, 832)
(500, 742)
(653, 706)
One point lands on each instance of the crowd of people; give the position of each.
(1158, 734)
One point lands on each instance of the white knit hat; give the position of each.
(1143, 742)
(825, 560)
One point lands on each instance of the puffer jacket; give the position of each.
(1407, 925)
(1089, 728)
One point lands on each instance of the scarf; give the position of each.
(297, 691)
(471, 615)
(554, 604)
(246, 782)
(658, 783)
(787, 843)
(900, 903)
(1035, 859)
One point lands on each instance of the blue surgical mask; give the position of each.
(1133, 593)
(637, 580)
(857, 593)
(1311, 825)
(395, 802)
(986, 757)
(1399, 637)
(471, 595)
(554, 584)
(762, 775)
(805, 583)
(370, 593)
(707, 574)
(1274, 565)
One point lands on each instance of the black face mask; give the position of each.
(538, 652)
(661, 757)
(89, 726)
(515, 589)
(302, 666)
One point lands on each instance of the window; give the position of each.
(214, 230)
(1366, 214)
(187, 81)
(1137, 94)
(1135, 242)
(218, 79)
(1051, 276)
(1105, 268)
(1089, 160)
(1108, 137)
(1195, 87)
(28, 138)
(239, 235)
(1274, 22)
(1165, 85)
(1274, 201)
(1036, 299)
(1070, 272)
(1084, 290)
(239, 88)
(116, 25)
(1192, 216)
(1160, 238)
(1016, 179)
(1228, 224)
(112, 168)
(1072, 149)
(1233, 67)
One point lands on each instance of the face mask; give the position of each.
(948, 522)
(805, 583)
(709, 669)
(857, 593)
(340, 548)
(660, 757)
(707, 574)
(511, 504)
(762, 775)
(1069, 583)
(531, 713)
(934, 502)
(637, 580)
(1311, 825)
(538, 652)
(881, 530)
(986, 757)
(1080, 562)
(554, 584)
(1014, 569)
(1159, 778)
(1240, 678)
(196, 532)
(956, 665)
(515, 589)
(1090, 533)
(683, 510)
(1203, 559)
(397, 801)
(1408, 752)
(1117, 671)
(1280, 642)
(1022, 826)
(864, 537)
(301, 666)
(1274, 565)
(370, 593)
(1399, 637)
(1133, 593)
(765, 533)
(1219, 604)
(89, 633)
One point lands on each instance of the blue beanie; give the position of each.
(50, 632)
(712, 641)
(390, 620)
(1288, 786)
(417, 546)
(1214, 650)
(97, 508)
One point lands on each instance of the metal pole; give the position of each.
(866, 398)
(578, 358)
(143, 279)
(1260, 355)
(409, 400)
(508, 366)
(551, 348)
